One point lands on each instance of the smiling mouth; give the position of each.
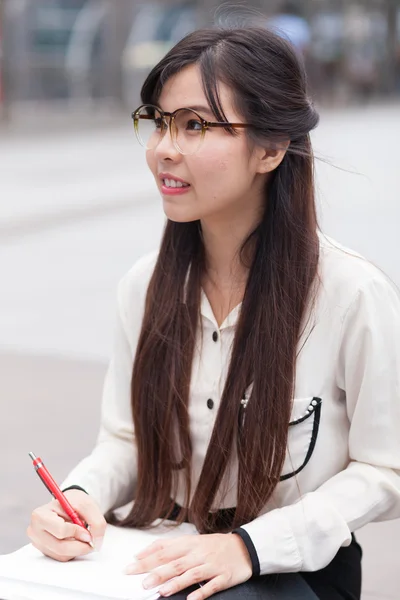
(172, 183)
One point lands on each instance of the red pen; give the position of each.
(57, 493)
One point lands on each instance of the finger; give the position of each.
(69, 529)
(198, 574)
(165, 554)
(65, 530)
(52, 523)
(66, 548)
(89, 512)
(169, 571)
(56, 508)
(158, 545)
(44, 517)
(217, 584)
(87, 509)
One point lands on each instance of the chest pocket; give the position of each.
(302, 435)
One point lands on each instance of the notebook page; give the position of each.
(23, 590)
(98, 573)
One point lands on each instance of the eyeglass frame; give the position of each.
(171, 115)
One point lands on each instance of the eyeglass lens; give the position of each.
(186, 128)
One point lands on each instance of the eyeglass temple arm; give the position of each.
(208, 124)
(136, 116)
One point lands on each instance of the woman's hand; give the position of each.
(220, 560)
(52, 532)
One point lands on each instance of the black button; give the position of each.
(215, 336)
(210, 403)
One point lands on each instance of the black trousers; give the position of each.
(340, 580)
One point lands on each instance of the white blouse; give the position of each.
(342, 468)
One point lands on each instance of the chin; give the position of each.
(179, 215)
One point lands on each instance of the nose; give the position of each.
(166, 149)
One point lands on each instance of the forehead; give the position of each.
(185, 89)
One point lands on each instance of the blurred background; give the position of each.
(97, 51)
(78, 207)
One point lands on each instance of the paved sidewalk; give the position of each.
(61, 437)
(47, 180)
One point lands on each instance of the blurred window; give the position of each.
(328, 36)
(292, 27)
(52, 24)
(155, 30)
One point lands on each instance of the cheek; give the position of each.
(223, 175)
(151, 161)
(211, 166)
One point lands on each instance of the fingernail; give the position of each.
(85, 537)
(131, 569)
(149, 582)
(165, 591)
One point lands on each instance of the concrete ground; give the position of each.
(76, 210)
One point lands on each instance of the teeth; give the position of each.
(174, 184)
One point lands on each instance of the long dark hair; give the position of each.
(270, 92)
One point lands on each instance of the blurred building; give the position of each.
(89, 50)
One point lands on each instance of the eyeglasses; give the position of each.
(187, 128)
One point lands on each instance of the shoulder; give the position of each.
(346, 275)
(132, 288)
(138, 276)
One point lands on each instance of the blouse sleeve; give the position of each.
(306, 536)
(109, 472)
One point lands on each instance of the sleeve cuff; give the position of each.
(274, 542)
(74, 487)
(255, 563)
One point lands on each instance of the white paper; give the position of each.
(96, 575)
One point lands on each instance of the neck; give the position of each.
(223, 239)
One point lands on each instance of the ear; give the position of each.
(270, 158)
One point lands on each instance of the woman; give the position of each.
(266, 359)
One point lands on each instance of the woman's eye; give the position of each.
(194, 125)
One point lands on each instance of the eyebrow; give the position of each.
(202, 109)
